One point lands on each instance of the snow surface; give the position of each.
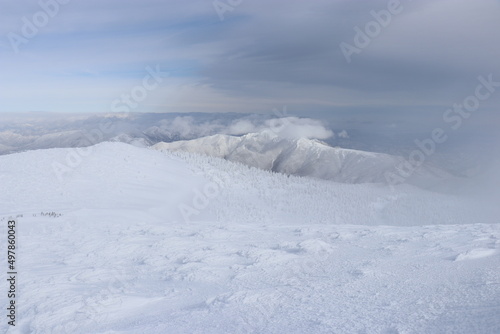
(305, 157)
(156, 242)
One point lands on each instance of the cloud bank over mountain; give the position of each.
(461, 155)
(37, 131)
(288, 127)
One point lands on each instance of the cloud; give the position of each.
(188, 127)
(45, 130)
(294, 127)
(343, 134)
(241, 127)
(264, 53)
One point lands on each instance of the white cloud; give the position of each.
(22, 131)
(186, 127)
(343, 134)
(294, 127)
(241, 127)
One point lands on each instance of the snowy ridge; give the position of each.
(260, 196)
(304, 157)
(268, 253)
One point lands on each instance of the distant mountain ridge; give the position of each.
(303, 157)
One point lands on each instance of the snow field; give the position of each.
(267, 254)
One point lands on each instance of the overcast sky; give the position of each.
(246, 56)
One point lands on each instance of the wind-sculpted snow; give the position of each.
(304, 157)
(260, 252)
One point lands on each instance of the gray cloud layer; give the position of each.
(263, 54)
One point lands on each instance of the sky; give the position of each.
(314, 56)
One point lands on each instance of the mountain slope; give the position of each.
(304, 157)
(152, 242)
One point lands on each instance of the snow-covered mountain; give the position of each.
(304, 157)
(143, 241)
(31, 131)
